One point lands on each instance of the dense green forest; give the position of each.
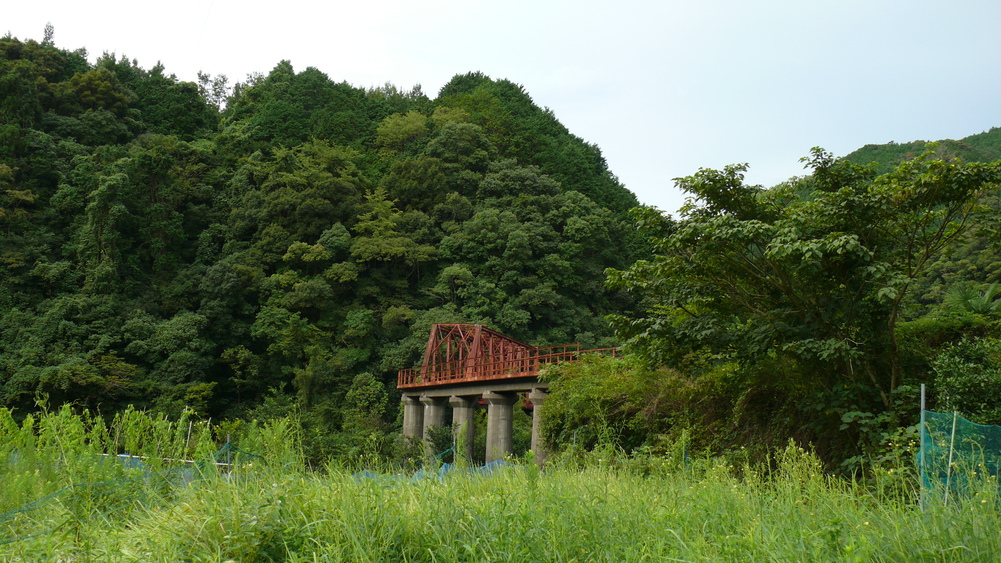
(811, 310)
(285, 244)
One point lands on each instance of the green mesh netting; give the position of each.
(956, 456)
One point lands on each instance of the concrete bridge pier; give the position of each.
(500, 411)
(413, 417)
(464, 423)
(425, 408)
(538, 397)
(434, 412)
(434, 415)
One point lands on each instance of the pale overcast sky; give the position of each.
(663, 87)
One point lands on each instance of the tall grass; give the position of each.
(594, 507)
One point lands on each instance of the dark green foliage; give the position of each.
(286, 246)
(288, 109)
(519, 129)
(968, 379)
(968, 300)
(805, 282)
(606, 400)
(705, 405)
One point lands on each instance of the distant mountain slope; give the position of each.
(972, 261)
(982, 147)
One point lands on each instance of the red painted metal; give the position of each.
(462, 353)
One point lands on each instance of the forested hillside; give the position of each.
(284, 244)
(981, 147)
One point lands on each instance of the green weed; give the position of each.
(62, 500)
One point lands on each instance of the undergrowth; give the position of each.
(64, 499)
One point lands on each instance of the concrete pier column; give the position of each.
(413, 417)
(499, 430)
(463, 411)
(538, 396)
(434, 415)
(434, 412)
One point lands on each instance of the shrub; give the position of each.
(968, 379)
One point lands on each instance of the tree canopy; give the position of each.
(803, 286)
(284, 243)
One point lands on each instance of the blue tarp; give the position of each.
(444, 470)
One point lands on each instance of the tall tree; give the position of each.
(814, 270)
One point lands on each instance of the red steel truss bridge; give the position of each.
(468, 353)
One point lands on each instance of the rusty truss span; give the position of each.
(468, 353)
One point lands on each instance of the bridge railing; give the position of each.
(526, 365)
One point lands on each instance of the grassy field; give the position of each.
(63, 501)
